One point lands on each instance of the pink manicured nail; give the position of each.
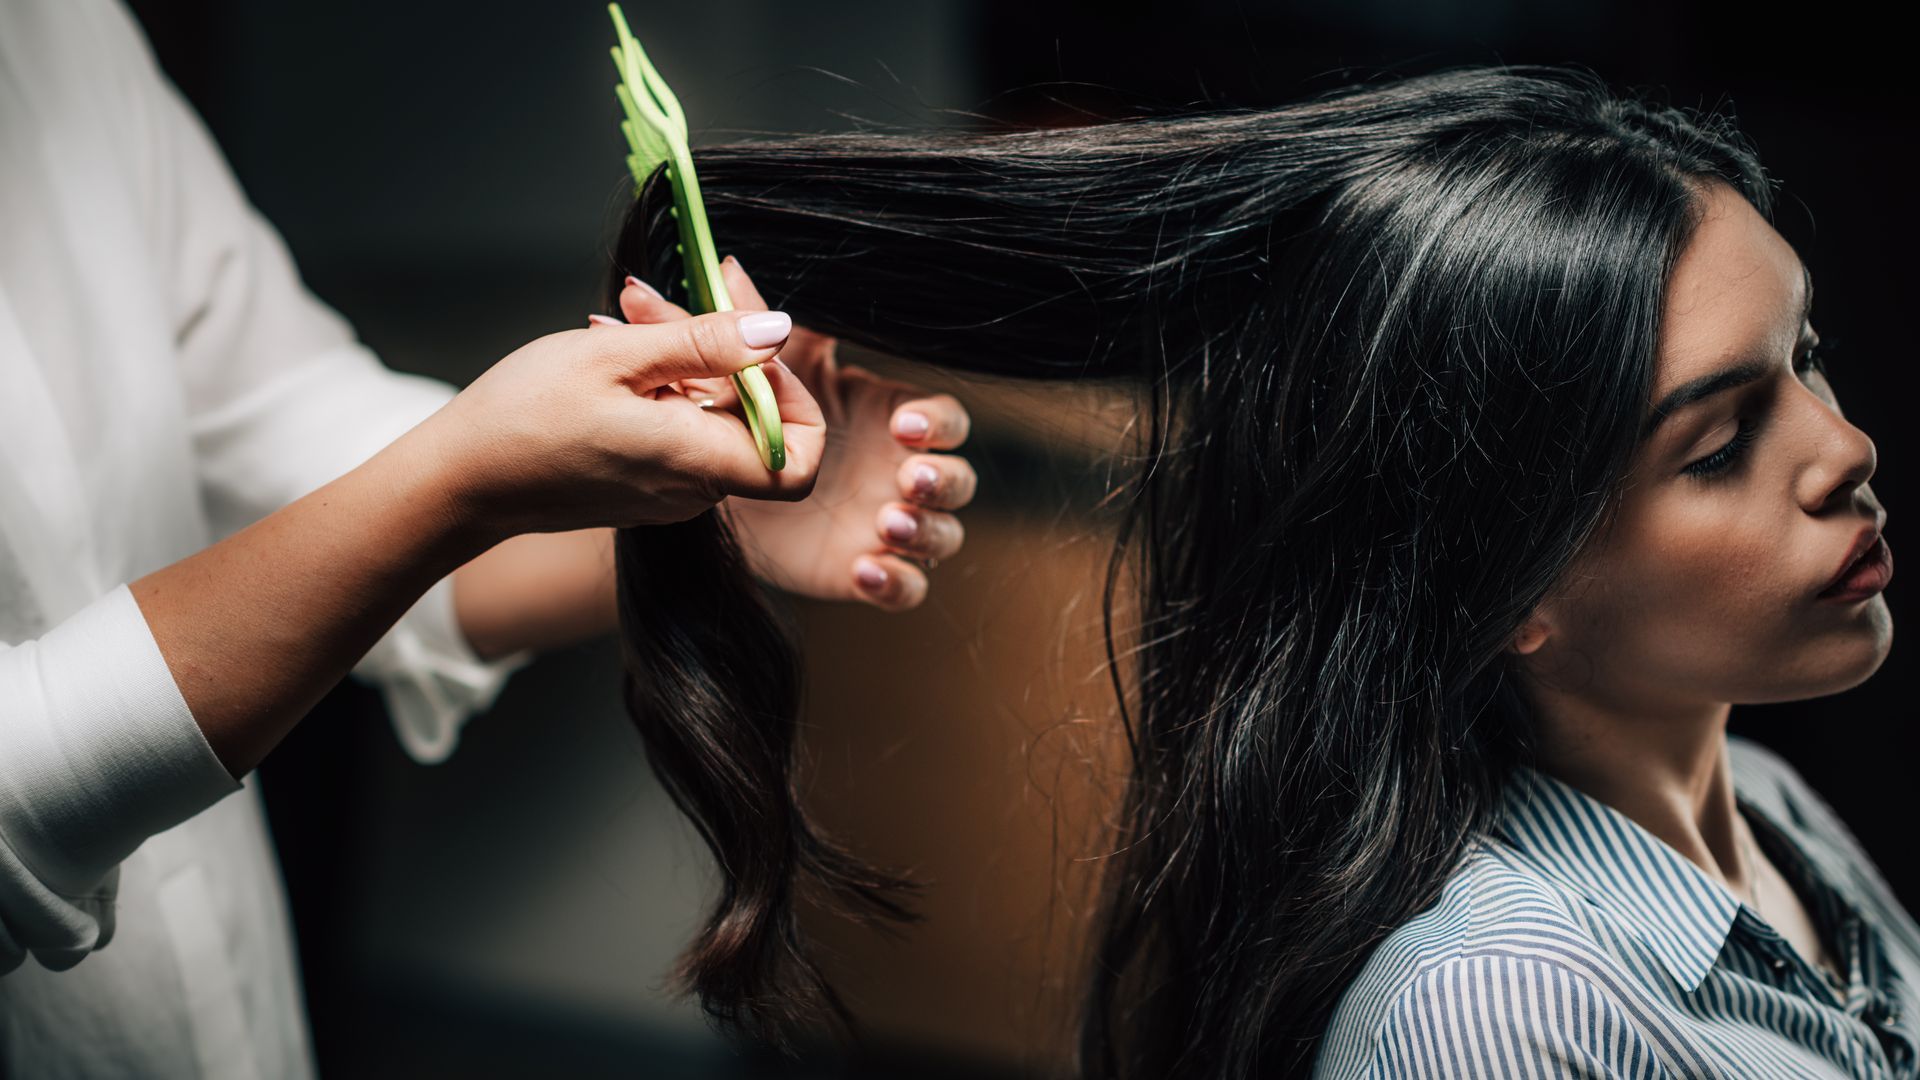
(764, 328)
(912, 425)
(736, 263)
(925, 479)
(603, 320)
(644, 287)
(870, 575)
(898, 524)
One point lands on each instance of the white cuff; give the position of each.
(431, 678)
(98, 751)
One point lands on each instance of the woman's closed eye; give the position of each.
(1811, 358)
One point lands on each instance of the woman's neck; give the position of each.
(1666, 769)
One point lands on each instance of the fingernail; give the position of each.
(870, 575)
(912, 425)
(764, 328)
(898, 524)
(925, 479)
(736, 264)
(602, 320)
(644, 287)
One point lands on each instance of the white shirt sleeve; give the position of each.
(99, 748)
(101, 753)
(282, 399)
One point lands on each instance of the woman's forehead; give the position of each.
(1737, 291)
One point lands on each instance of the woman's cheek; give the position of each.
(1693, 565)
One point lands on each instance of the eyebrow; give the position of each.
(1727, 378)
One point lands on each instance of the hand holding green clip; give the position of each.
(656, 131)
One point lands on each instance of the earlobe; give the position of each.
(1531, 635)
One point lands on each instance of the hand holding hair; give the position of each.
(584, 428)
(880, 515)
(572, 430)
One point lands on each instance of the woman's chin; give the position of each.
(1862, 646)
(1833, 662)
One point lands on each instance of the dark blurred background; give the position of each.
(447, 176)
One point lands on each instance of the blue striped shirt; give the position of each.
(1572, 942)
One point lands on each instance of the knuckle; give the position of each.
(966, 483)
(928, 540)
(959, 424)
(893, 594)
(936, 539)
(911, 590)
(707, 341)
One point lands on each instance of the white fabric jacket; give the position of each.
(165, 379)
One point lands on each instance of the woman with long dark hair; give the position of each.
(1486, 459)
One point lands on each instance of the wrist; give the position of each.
(443, 504)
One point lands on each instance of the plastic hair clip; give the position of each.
(656, 132)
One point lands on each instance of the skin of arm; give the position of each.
(259, 626)
(571, 433)
(537, 591)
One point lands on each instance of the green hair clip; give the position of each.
(656, 132)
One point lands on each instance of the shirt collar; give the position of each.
(1670, 906)
(1765, 791)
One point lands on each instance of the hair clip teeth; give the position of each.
(656, 133)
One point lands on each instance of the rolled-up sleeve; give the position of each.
(101, 753)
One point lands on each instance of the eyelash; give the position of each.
(1814, 358)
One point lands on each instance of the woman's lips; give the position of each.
(1865, 576)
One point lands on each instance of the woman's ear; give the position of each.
(1532, 634)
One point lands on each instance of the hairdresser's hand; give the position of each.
(584, 428)
(880, 472)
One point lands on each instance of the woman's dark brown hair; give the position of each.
(1394, 344)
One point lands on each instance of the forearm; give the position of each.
(543, 591)
(537, 591)
(256, 628)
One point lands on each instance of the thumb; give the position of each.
(710, 346)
